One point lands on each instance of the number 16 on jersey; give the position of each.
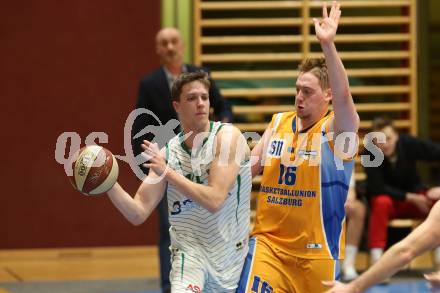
(287, 175)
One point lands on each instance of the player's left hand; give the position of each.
(433, 193)
(326, 28)
(156, 160)
(433, 279)
(338, 287)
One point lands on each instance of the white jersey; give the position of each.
(220, 237)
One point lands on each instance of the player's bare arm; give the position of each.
(346, 118)
(223, 171)
(147, 197)
(423, 238)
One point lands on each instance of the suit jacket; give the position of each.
(154, 95)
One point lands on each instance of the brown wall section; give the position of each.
(68, 66)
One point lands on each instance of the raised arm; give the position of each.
(139, 208)
(231, 150)
(346, 118)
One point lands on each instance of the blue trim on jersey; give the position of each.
(333, 183)
(244, 278)
(334, 190)
(294, 124)
(338, 274)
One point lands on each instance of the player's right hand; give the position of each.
(326, 28)
(338, 287)
(434, 280)
(156, 160)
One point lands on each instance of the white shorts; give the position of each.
(191, 272)
(195, 268)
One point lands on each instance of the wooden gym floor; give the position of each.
(26, 265)
(103, 269)
(29, 269)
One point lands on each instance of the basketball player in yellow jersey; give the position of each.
(299, 232)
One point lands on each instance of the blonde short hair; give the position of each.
(318, 68)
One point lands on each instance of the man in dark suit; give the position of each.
(154, 95)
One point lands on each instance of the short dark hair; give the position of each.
(380, 123)
(185, 78)
(318, 68)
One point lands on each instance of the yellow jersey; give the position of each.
(300, 205)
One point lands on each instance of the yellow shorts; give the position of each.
(268, 269)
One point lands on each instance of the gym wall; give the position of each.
(68, 66)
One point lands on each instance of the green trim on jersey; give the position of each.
(238, 196)
(211, 126)
(167, 153)
(185, 147)
(218, 129)
(182, 266)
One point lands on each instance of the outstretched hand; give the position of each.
(338, 287)
(155, 157)
(326, 28)
(433, 279)
(433, 193)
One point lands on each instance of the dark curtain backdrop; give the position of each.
(68, 66)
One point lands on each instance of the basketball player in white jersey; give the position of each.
(205, 172)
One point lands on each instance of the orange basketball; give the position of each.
(95, 170)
